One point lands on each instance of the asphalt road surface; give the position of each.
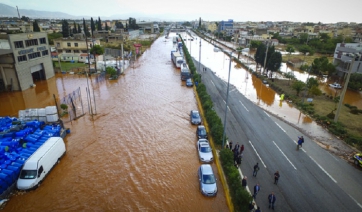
(311, 179)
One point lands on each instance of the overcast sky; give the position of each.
(325, 11)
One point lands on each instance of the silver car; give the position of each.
(205, 151)
(195, 117)
(207, 180)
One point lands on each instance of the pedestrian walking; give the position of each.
(242, 148)
(272, 200)
(258, 209)
(244, 183)
(256, 169)
(276, 177)
(231, 145)
(237, 146)
(251, 206)
(256, 190)
(238, 160)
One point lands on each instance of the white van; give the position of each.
(40, 163)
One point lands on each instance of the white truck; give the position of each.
(177, 59)
(40, 163)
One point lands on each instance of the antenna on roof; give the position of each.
(18, 11)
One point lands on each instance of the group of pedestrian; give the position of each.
(238, 153)
(204, 69)
(271, 196)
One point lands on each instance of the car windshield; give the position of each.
(205, 149)
(202, 131)
(195, 115)
(208, 179)
(28, 174)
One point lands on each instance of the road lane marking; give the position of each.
(228, 105)
(285, 155)
(212, 83)
(323, 169)
(355, 201)
(243, 106)
(280, 127)
(257, 154)
(266, 114)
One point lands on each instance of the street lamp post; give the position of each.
(226, 104)
(344, 91)
(200, 56)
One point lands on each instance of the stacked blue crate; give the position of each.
(17, 144)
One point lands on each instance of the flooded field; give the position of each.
(137, 154)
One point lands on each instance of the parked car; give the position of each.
(195, 117)
(201, 131)
(207, 180)
(358, 159)
(189, 82)
(205, 151)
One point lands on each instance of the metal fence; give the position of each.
(74, 103)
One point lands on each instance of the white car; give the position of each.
(205, 151)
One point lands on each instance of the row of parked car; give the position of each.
(206, 175)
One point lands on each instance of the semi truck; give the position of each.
(176, 59)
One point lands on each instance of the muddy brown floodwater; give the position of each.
(137, 154)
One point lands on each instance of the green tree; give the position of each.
(74, 28)
(355, 82)
(65, 29)
(24, 18)
(93, 27)
(119, 25)
(260, 54)
(319, 65)
(255, 44)
(85, 28)
(99, 24)
(312, 82)
(111, 71)
(95, 51)
(79, 29)
(106, 27)
(54, 35)
(305, 49)
(298, 86)
(314, 90)
(274, 62)
(200, 23)
(289, 75)
(36, 27)
(303, 38)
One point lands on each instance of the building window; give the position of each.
(84, 51)
(42, 40)
(19, 44)
(68, 51)
(33, 55)
(32, 42)
(68, 44)
(45, 52)
(22, 58)
(58, 45)
(76, 51)
(76, 44)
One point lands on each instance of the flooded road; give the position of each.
(137, 154)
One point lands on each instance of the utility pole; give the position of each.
(344, 91)
(266, 53)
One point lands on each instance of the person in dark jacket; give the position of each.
(231, 145)
(272, 200)
(256, 190)
(241, 148)
(276, 177)
(244, 182)
(256, 169)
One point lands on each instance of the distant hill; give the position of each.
(8, 11)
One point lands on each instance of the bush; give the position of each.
(331, 115)
(354, 111)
